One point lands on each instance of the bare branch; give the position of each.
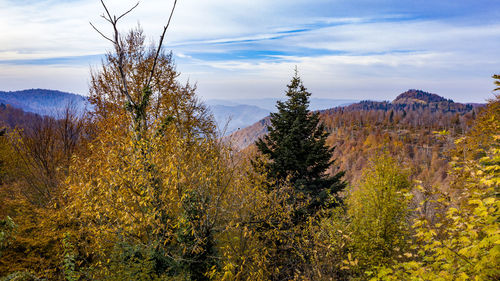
(117, 19)
(108, 20)
(101, 33)
(117, 44)
(159, 45)
(106, 9)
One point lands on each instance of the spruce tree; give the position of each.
(297, 150)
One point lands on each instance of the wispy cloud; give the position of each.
(343, 48)
(56, 61)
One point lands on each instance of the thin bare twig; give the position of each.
(116, 42)
(106, 9)
(151, 74)
(130, 10)
(98, 31)
(104, 17)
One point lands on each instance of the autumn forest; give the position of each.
(143, 186)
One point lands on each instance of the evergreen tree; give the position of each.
(297, 151)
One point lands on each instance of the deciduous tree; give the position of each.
(378, 209)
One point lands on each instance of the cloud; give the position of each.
(56, 61)
(364, 59)
(67, 78)
(343, 48)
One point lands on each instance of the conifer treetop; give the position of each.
(296, 146)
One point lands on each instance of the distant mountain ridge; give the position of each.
(270, 103)
(231, 118)
(230, 115)
(44, 101)
(414, 99)
(240, 113)
(409, 101)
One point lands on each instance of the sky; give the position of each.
(343, 49)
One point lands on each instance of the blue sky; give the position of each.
(354, 49)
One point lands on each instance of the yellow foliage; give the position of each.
(464, 243)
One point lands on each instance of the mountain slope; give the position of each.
(247, 136)
(12, 117)
(421, 103)
(237, 116)
(417, 133)
(44, 102)
(244, 112)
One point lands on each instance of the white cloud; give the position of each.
(381, 53)
(360, 77)
(70, 79)
(383, 59)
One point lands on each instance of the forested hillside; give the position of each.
(11, 117)
(432, 110)
(420, 131)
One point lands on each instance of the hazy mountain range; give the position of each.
(230, 115)
(269, 104)
(243, 119)
(44, 102)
